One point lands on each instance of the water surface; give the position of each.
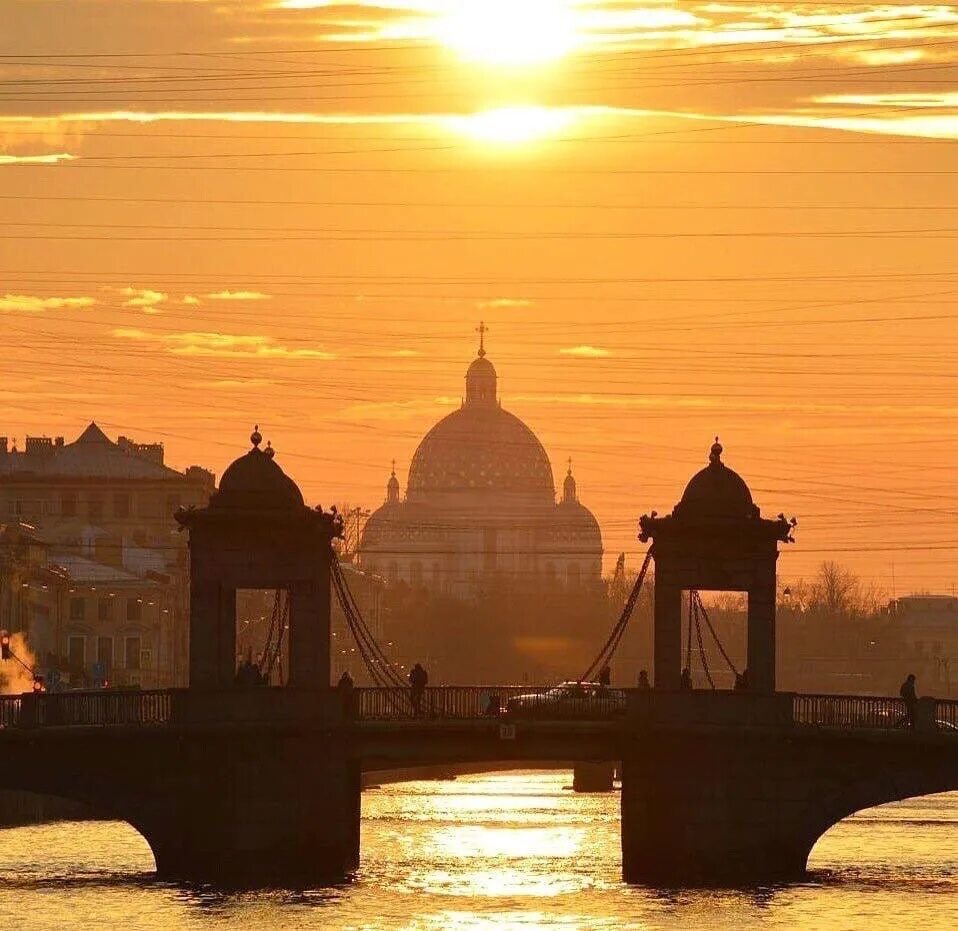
(508, 850)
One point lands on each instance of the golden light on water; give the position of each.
(508, 32)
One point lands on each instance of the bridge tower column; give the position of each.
(266, 790)
(257, 533)
(715, 539)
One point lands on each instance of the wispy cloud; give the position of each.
(145, 299)
(238, 296)
(585, 352)
(397, 410)
(504, 302)
(224, 345)
(50, 159)
(31, 304)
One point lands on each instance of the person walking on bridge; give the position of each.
(418, 680)
(644, 684)
(345, 687)
(909, 696)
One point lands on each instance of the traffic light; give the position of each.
(5, 646)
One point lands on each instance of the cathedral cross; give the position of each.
(482, 329)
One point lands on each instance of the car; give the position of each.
(589, 700)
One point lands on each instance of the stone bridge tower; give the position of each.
(258, 533)
(715, 539)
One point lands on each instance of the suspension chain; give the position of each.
(611, 644)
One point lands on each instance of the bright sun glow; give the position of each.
(509, 32)
(512, 124)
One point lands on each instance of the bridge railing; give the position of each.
(872, 712)
(946, 715)
(9, 710)
(484, 701)
(97, 709)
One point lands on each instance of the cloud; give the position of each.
(585, 352)
(397, 410)
(50, 159)
(31, 304)
(190, 300)
(505, 302)
(223, 345)
(238, 296)
(143, 298)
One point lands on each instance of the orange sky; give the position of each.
(677, 220)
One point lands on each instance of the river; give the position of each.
(504, 850)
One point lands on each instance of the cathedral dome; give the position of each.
(481, 447)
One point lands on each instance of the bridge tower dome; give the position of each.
(257, 533)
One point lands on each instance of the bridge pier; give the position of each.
(590, 776)
(712, 812)
(271, 810)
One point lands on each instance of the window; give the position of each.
(95, 507)
(77, 609)
(121, 505)
(77, 652)
(146, 659)
(134, 609)
(68, 505)
(149, 505)
(573, 575)
(104, 652)
(415, 574)
(104, 609)
(133, 652)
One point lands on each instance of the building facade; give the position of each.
(109, 599)
(480, 506)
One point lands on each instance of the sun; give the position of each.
(512, 33)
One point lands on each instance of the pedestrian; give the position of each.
(686, 681)
(644, 684)
(909, 696)
(605, 675)
(345, 689)
(418, 680)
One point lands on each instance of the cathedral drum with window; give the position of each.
(480, 507)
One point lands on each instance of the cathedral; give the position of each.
(480, 507)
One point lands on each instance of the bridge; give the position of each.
(264, 785)
(259, 785)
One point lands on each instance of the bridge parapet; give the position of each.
(700, 708)
(172, 707)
